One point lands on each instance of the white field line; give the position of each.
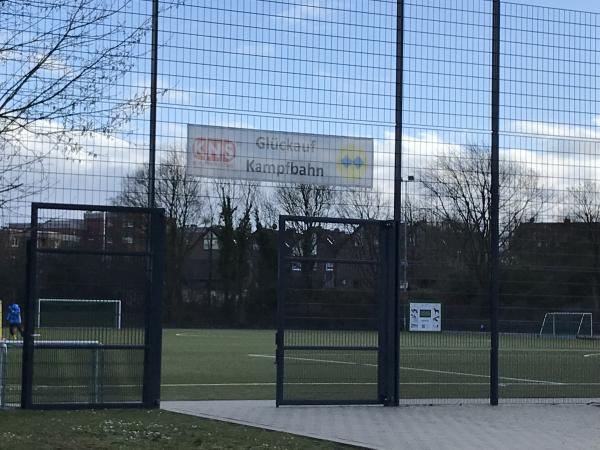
(214, 336)
(17, 387)
(330, 361)
(591, 354)
(445, 372)
(449, 372)
(426, 383)
(506, 349)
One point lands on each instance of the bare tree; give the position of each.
(62, 65)
(305, 200)
(16, 183)
(585, 201)
(585, 209)
(184, 202)
(362, 203)
(181, 195)
(458, 187)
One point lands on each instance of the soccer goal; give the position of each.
(567, 324)
(78, 360)
(59, 312)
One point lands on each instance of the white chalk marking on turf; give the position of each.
(208, 336)
(184, 385)
(446, 372)
(330, 361)
(431, 383)
(331, 384)
(449, 372)
(505, 349)
(591, 354)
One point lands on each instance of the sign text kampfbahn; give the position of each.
(257, 155)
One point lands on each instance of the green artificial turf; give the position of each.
(239, 364)
(204, 364)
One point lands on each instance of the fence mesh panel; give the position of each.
(331, 306)
(549, 151)
(289, 107)
(91, 283)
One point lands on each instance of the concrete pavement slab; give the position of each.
(515, 427)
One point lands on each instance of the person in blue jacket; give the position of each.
(13, 317)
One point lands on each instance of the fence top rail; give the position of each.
(309, 259)
(568, 313)
(79, 300)
(71, 345)
(339, 220)
(87, 207)
(52, 343)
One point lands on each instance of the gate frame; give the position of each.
(155, 252)
(387, 310)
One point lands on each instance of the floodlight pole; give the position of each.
(153, 87)
(494, 264)
(397, 193)
(409, 179)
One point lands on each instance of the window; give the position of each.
(211, 239)
(128, 239)
(329, 267)
(296, 266)
(14, 242)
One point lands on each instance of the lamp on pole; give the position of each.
(404, 284)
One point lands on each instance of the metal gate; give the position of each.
(93, 314)
(337, 333)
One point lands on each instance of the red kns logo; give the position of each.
(214, 150)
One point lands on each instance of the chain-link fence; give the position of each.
(290, 107)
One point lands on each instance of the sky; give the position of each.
(317, 66)
(583, 5)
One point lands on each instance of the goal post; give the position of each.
(87, 366)
(60, 312)
(567, 324)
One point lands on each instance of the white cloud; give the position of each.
(563, 156)
(257, 48)
(300, 15)
(553, 130)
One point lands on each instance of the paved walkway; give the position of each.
(514, 427)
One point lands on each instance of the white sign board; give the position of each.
(425, 317)
(257, 155)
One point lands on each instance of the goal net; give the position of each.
(52, 312)
(567, 324)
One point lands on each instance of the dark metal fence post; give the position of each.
(27, 356)
(392, 337)
(383, 299)
(279, 340)
(153, 315)
(153, 100)
(398, 113)
(494, 264)
(398, 182)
